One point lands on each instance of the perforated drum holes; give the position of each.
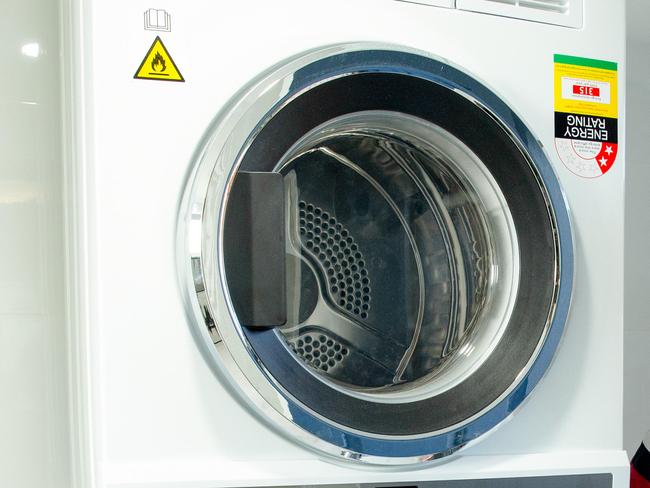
(319, 350)
(337, 251)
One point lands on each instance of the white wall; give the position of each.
(637, 233)
(33, 411)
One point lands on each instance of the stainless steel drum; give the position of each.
(392, 254)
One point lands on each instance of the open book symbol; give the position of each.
(157, 20)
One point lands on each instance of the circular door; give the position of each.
(376, 252)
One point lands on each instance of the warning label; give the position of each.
(158, 64)
(586, 114)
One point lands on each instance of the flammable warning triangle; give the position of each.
(158, 64)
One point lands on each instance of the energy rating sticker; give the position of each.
(586, 114)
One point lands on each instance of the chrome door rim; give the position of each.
(203, 288)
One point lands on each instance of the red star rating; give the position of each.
(606, 156)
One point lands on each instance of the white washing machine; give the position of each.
(369, 243)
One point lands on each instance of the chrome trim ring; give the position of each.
(203, 282)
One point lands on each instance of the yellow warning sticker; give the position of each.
(158, 64)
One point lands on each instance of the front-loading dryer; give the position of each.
(357, 263)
